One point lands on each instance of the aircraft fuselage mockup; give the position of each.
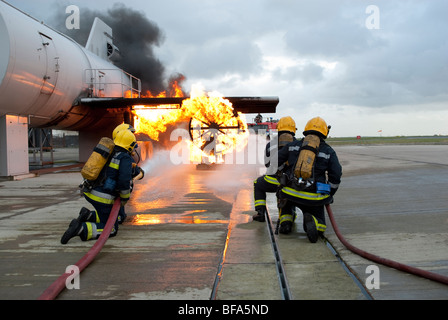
(43, 76)
(48, 80)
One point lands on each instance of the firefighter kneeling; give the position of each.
(310, 181)
(268, 183)
(114, 180)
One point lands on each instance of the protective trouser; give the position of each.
(318, 213)
(103, 207)
(307, 202)
(262, 185)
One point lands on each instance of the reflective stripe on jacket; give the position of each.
(305, 195)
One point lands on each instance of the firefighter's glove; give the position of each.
(140, 175)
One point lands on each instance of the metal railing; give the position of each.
(98, 80)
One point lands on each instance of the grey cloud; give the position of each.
(405, 62)
(307, 73)
(223, 57)
(337, 31)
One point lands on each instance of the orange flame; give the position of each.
(214, 126)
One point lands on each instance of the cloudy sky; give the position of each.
(362, 69)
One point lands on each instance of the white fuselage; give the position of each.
(44, 72)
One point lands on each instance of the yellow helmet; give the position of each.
(287, 124)
(126, 139)
(123, 126)
(317, 125)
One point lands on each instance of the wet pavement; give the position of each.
(189, 233)
(393, 203)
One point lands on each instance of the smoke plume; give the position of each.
(135, 36)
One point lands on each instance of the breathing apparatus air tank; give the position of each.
(305, 162)
(98, 159)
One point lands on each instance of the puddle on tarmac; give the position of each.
(183, 195)
(189, 217)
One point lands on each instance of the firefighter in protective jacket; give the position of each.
(286, 128)
(115, 181)
(309, 196)
(137, 172)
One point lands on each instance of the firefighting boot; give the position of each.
(85, 215)
(310, 227)
(286, 222)
(261, 214)
(74, 229)
(121, 216)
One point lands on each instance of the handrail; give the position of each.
(126, 86)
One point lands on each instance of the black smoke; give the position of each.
(134, 34)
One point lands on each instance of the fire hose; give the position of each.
(389, 263)
(53, 290)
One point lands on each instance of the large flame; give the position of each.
(215, 129)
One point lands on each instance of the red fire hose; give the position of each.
(383, 261)
(52, 291)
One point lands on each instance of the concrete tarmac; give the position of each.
(189, 233)
(393, 203)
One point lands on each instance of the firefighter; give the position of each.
(325, 181)
(137, 172)
(115, 182)
(286, 128)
